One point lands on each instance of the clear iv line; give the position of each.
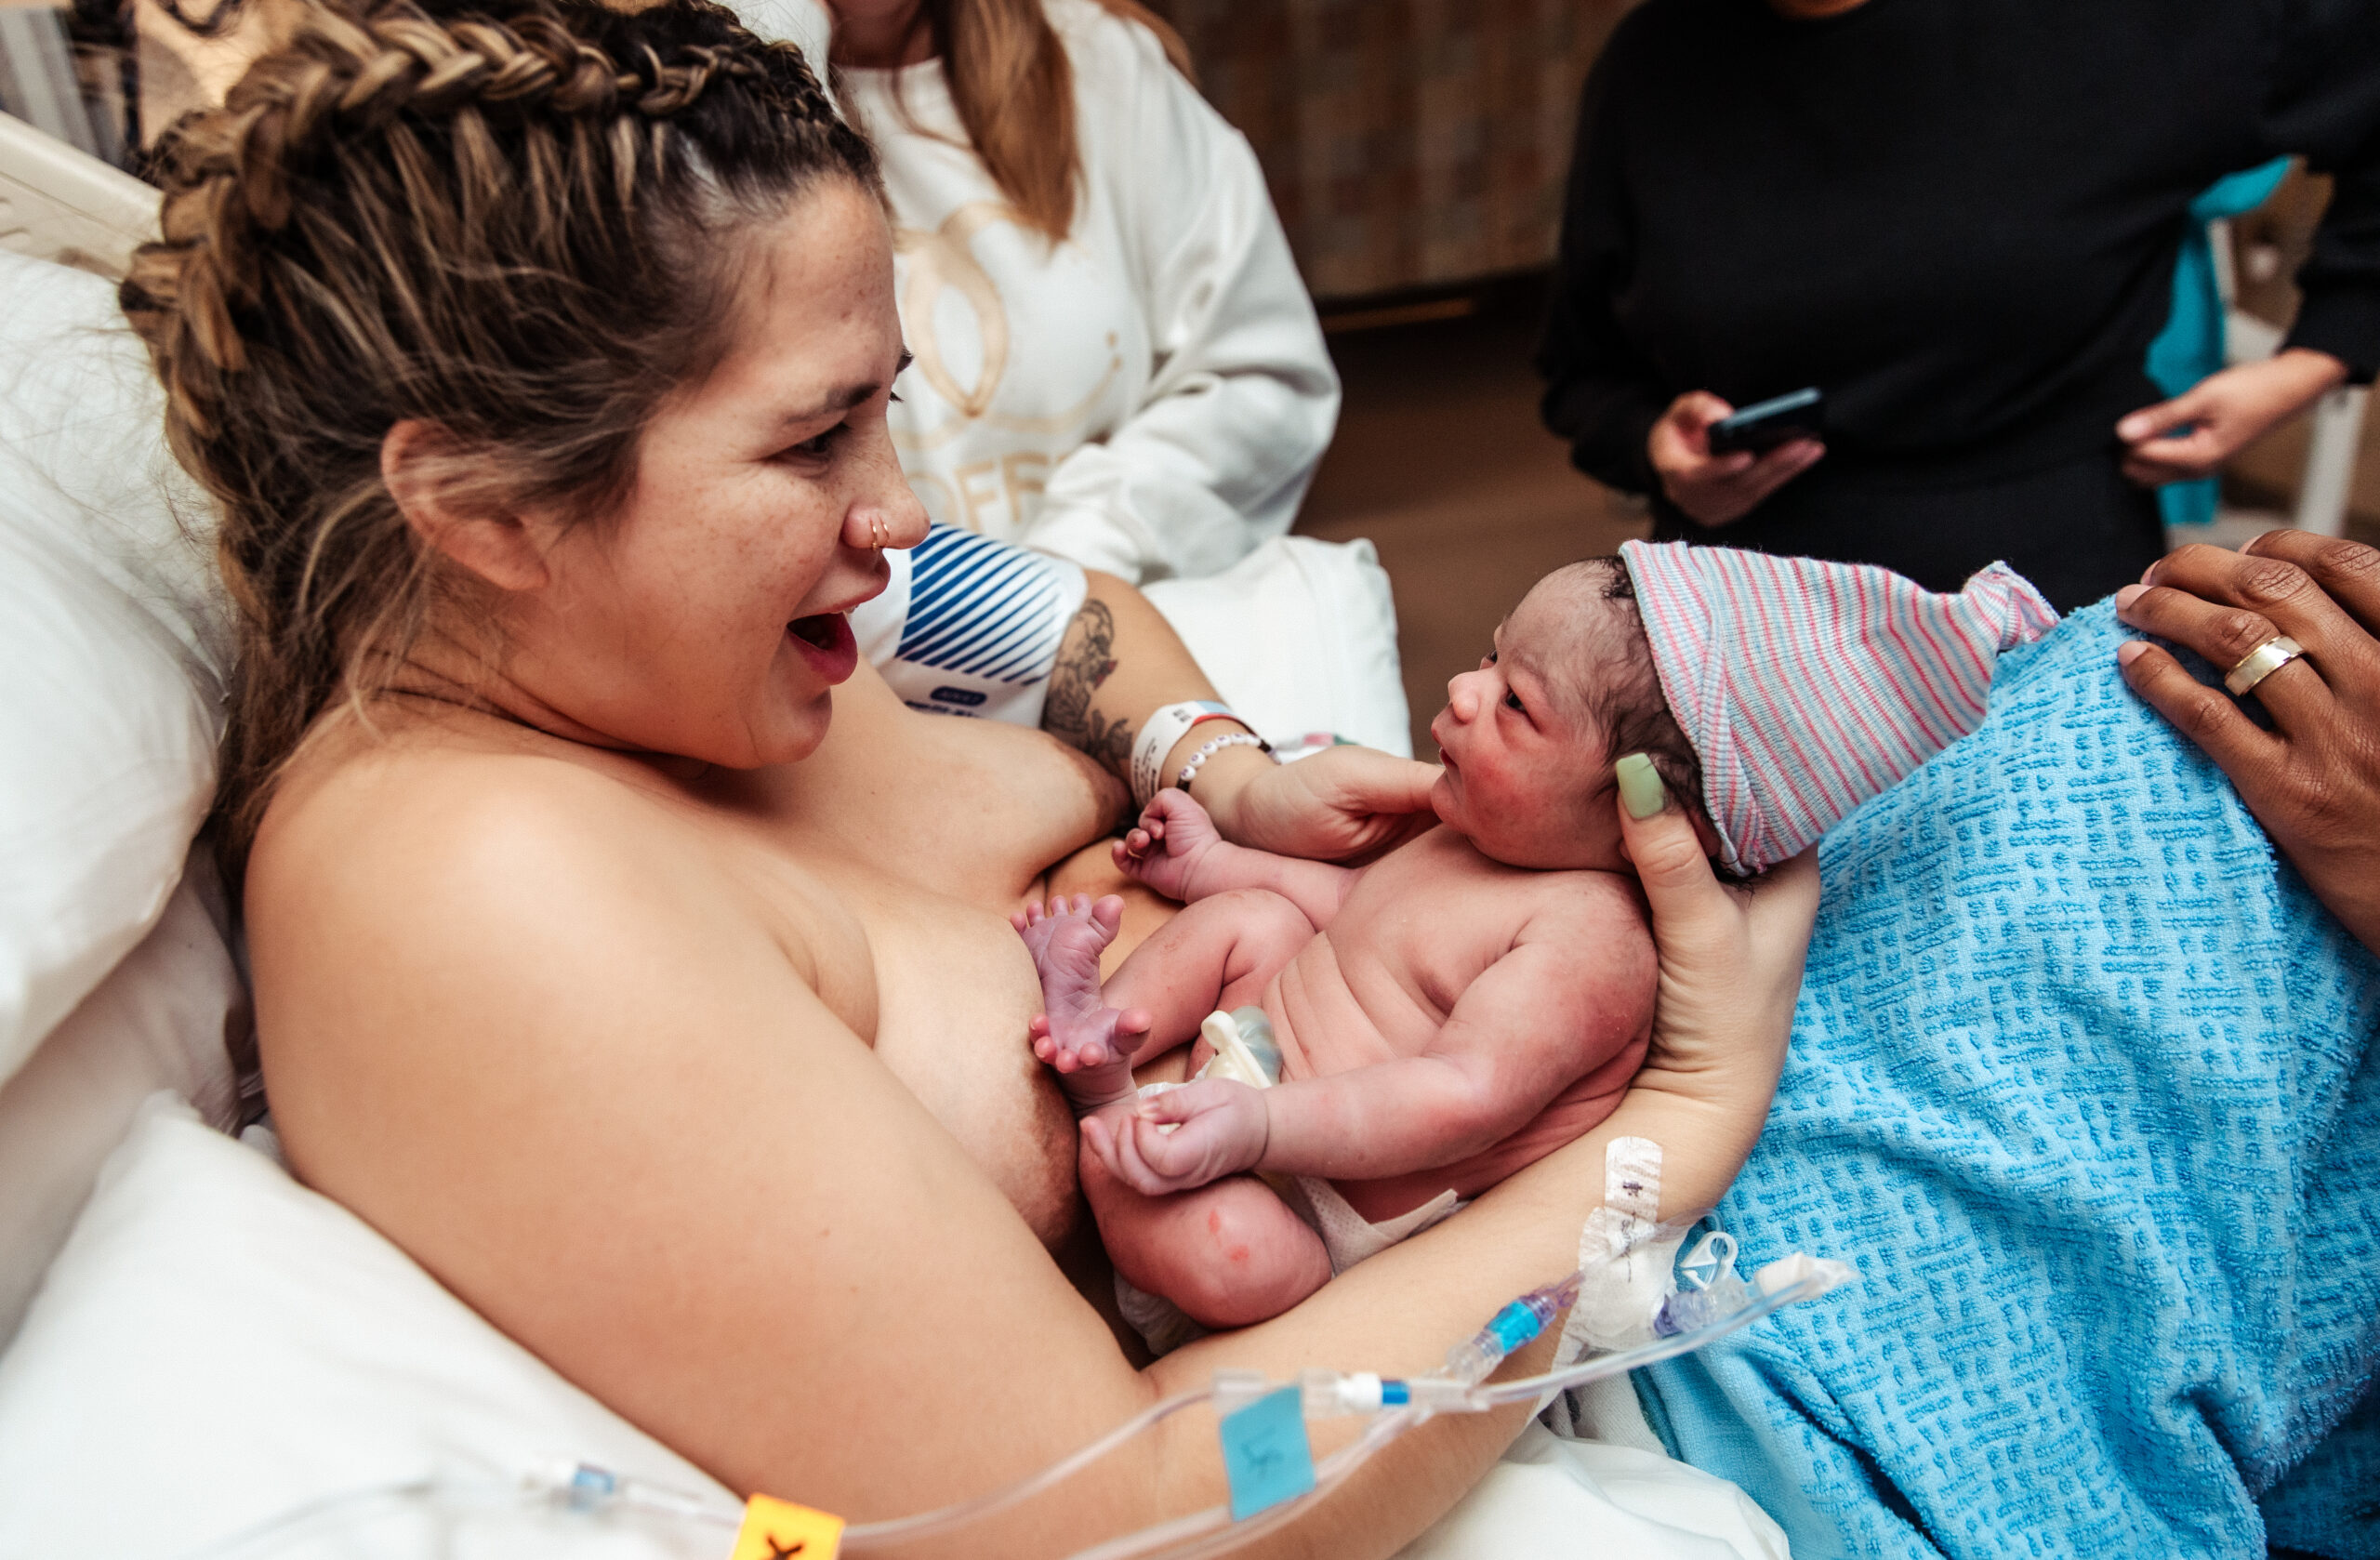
(588, 1488)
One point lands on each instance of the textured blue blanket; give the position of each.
(2079, 1081)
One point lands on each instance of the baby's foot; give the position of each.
(1173, 837)
(1089, 1043)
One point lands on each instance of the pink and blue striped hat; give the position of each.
(1807, 687)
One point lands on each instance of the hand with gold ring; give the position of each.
(2293, 620)
(2261, 663)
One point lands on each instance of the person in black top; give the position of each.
(1960, 222)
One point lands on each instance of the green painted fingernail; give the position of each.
(1640, 786)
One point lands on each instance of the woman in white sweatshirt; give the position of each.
(1115, 361)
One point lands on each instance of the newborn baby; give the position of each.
(1444, 1016)
(1482, 994)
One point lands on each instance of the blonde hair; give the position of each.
(1013, 89)
(520, 231)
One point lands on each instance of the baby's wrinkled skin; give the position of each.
(1445, 1015)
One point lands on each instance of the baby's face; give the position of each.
(1527, 771)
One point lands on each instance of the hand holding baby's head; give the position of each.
(1528, 740)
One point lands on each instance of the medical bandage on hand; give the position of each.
(1625, 1256)
(1157, 738)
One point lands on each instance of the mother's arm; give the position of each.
(1120, 661)
(2313, 781)
(636, 1139)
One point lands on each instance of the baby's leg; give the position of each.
(1222, 951)
(1229, 1253)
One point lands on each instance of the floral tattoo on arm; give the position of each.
(1085, 660)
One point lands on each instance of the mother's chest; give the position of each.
(950, 808)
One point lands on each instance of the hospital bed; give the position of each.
(195, 1351)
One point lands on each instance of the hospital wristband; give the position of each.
(1158, 735)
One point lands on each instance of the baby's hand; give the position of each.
(1220, 1128)
(1174, 834)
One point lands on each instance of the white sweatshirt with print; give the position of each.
(1151, 396)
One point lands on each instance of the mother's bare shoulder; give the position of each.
(414, 898)
(394, 836)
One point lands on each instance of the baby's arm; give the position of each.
(1530, 1023)
(1177, 850)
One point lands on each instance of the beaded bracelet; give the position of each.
(1159, 734)
(1210, 748)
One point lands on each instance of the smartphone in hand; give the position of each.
(1768, 424)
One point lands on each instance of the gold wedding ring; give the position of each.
(2261, 663)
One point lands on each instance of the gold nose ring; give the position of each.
(876, 532)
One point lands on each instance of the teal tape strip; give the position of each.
(1266, 1453)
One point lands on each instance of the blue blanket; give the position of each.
(2078, 1083)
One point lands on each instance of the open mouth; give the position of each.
(825, 641)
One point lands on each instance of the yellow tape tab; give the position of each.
(777, 1529)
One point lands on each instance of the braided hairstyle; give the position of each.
(521, 231)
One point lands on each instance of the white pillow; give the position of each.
(1299, 636)
(113, 640)
(217, 1347)
(159, 1021)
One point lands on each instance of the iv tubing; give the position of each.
(1198, 1536)
(862, 1536)
(1193, 1536)
(1654, 1353)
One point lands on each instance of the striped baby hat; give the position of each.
(1807, 687)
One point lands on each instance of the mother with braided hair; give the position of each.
(623, 949)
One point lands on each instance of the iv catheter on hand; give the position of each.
(1395, 1406)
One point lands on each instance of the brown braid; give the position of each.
(518, 229)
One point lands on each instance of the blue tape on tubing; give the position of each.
(1266, 1453)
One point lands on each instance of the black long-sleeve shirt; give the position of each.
(1957, 218)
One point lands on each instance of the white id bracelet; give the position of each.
(1208, 749)
(1159, 733)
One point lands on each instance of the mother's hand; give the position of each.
(1341, 803)
(1730, 958)
(2314, 780)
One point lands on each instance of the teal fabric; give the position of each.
(2190, 347)
(2330, 1504)
(2080, 1081)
